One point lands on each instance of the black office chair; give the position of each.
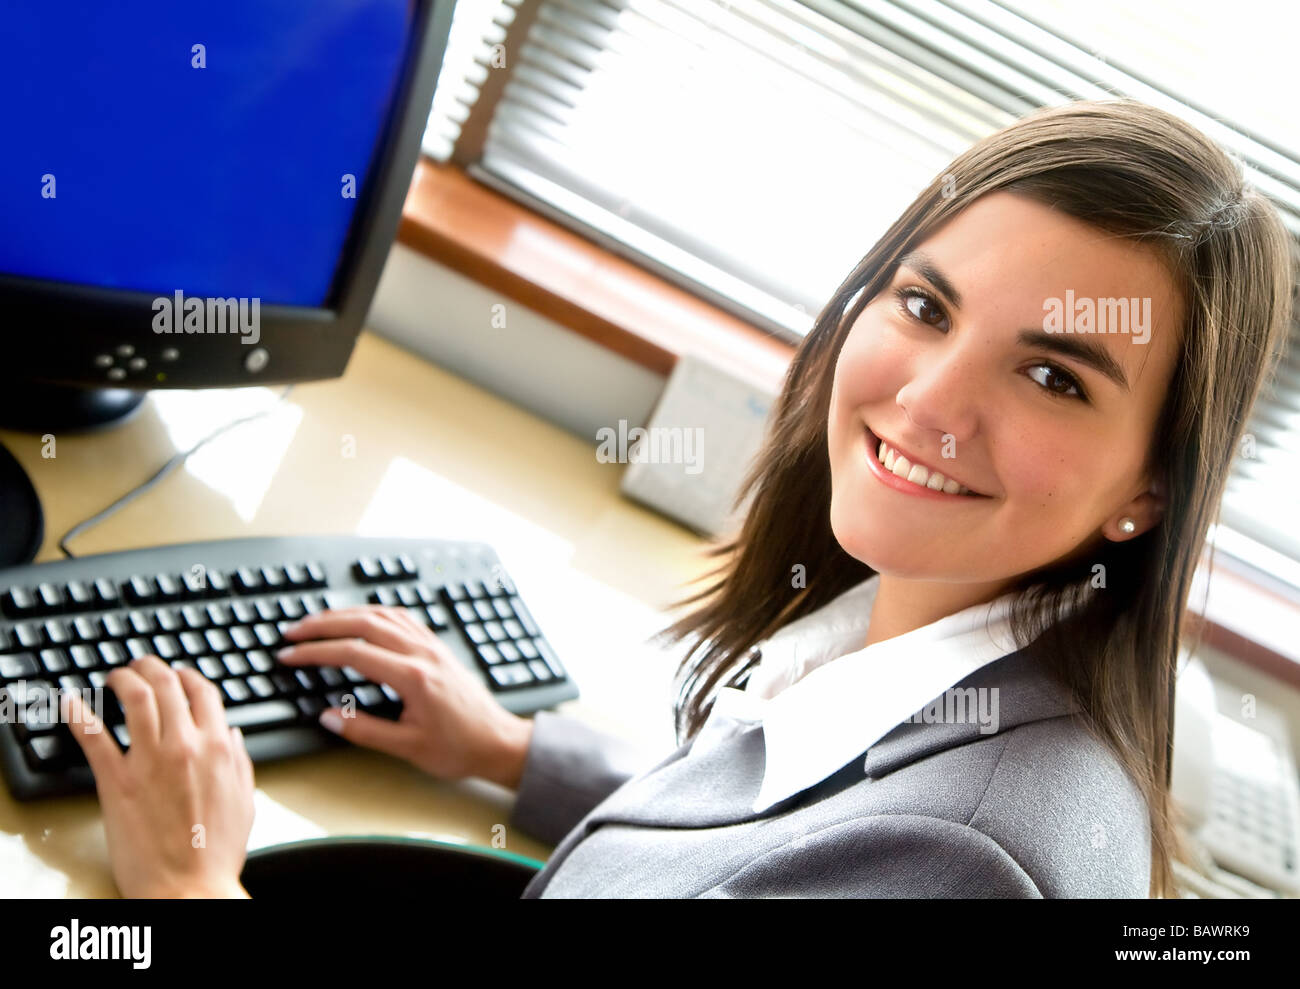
(380, 865)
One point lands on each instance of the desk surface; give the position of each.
(397, 446)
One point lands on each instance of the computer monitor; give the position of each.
(171, 170)
(198, 194)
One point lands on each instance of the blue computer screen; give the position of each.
(132, 159)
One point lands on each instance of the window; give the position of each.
(752, 150)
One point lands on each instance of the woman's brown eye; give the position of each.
(923, 302)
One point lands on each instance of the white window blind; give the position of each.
(753, 150)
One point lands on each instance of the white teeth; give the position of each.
(897, 464)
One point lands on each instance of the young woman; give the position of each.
(1029, 540)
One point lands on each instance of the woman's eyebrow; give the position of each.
(1088, 351)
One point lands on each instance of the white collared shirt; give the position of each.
(817, 715)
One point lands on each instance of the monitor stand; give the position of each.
(35, 407)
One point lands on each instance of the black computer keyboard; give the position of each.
(219, 607)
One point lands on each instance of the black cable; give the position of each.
(176, 460)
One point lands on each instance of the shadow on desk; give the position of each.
(374, 865)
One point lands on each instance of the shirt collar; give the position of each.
(817, 715)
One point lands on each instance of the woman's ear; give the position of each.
(1146, 511)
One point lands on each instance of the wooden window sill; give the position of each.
(506, 247)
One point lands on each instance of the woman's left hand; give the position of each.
(178, 805)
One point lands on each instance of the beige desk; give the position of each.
(396, 446)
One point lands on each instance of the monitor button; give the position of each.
(257, 360)
(103, 360)
(125, 350)
(137, 363)
(116, 373)
(170, 354)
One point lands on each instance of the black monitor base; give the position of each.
(33, 407)
(41, 407)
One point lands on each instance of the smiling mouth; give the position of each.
(890, 461)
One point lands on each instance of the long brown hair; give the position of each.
(1128, 169)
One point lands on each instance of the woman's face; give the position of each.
(1053, 446)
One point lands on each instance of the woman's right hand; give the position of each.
(451, 726)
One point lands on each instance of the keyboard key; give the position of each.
(142, 622)
(284, 683)
(50, 597)
(305, 680)
(242, 636)
(317, 574)
(169, 619)
(196, 616)
(19, 602)
(484, 611)
(169, 588)
(165, 647)
(540, 669)
(391, 568)
(243, 612)
(438, 617)
(114, 627)
(367, 570)
(261, 661)
(194, 644)
(368, 695)
(235, 663)
(194, 583)
(261, 686)
(330, 676)
(247, 580)
(218, 584)
(465, 612)
(291, 608)
(268, 610)
(80, 594)
(112, 653)
(54, 660)
(525, 616)
(489, 654)
(262, 714)
(141, 590)
(236, 690)
(139, 647)
(514, 629)
(476, 634)
(18, 665)
(218, 640)
(502, 608)
(274, 578)
(495, 632)
(268, 635)
(45, 753)
(508, 652)
(526, 647)
(86, 657)
(551, 660)
(107, 594)
(219, 615)
(211, 667)
(55, 633)
(28, 635)
(510, 674)
(454, 593)
(84, 629)
(311, 707)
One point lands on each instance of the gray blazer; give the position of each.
(1040, 808)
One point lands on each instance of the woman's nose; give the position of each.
(944, 391)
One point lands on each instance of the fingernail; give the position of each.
(332, 721)
(291, 626)
(287, 650)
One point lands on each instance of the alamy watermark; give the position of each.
(1088, 315)
(656, 445)
(962, 705)
(178, 313)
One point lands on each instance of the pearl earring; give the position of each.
(1127, 525)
